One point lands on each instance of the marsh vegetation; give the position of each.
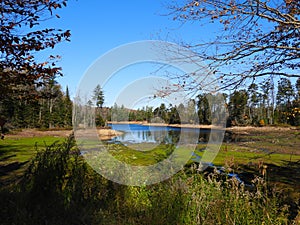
(52, 184)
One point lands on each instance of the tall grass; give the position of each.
(60, 188)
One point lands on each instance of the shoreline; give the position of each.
(199, 126)
(106, 133)
(144, 123)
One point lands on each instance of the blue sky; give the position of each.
(99, 26)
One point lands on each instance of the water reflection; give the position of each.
(151, 136)
(136, 133)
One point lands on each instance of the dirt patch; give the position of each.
(266, 129)
(39, 133)
(284, 140)
(104, 134)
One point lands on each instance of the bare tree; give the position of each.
(258, 39)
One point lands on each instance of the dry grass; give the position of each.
(104, 134)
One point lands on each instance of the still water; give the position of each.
(137, 133)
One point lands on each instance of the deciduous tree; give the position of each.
(21, 36)
(257, 38)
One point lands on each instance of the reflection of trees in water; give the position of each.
(174, 136)
(179, 136)
(161, 136)
(158, 136)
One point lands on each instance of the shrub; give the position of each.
(60, 188)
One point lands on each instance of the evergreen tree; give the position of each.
(68, 106)
(161, 112)
(98, 96)
(204, 112)
(173, 115)
(295, 115)
(268, 101)
(253, 102)
(298, 87)
(237, 108)
(285, 94)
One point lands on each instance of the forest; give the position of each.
(258, 105)
(50, 107)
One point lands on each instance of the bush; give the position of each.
(57, 188)
(60, 188)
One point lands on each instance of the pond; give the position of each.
(138, 133)
(147, 137)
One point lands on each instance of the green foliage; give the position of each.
(204, 111)
(287, 103)
(255, 106)
(237, 107)
(52, 108)
(22, 36)
(100, 122)
(24, 80)
(174, 117)
(57, 188)
(98, 96)
(119, 113)
(67, 109)
(60, 188)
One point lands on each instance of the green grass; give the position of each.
(239, 155)
(59, 188)
(140, 158)
(245, 156)
(16, 152)
(19, 150)
(23, 148)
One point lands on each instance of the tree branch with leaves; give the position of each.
(21, 36)
(258, 39)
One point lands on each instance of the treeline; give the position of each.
(265, 104)
(199, 110)
(258, 105)
(38, 107)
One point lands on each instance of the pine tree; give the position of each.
(98, 96)
(285, 94)
(237, 107)
(68, 106)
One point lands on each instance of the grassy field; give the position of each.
(280, 149)
(17, 151)
(58, 187)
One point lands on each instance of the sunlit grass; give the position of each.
(61, 188)
(23, 148)
(16, 152)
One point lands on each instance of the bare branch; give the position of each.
(259, 38)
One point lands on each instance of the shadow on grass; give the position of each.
(58, 187)
(288, 173)
(8, 151)
(11, 165)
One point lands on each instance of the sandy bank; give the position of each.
(168, 125)
(200, 126)
(107, 134)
